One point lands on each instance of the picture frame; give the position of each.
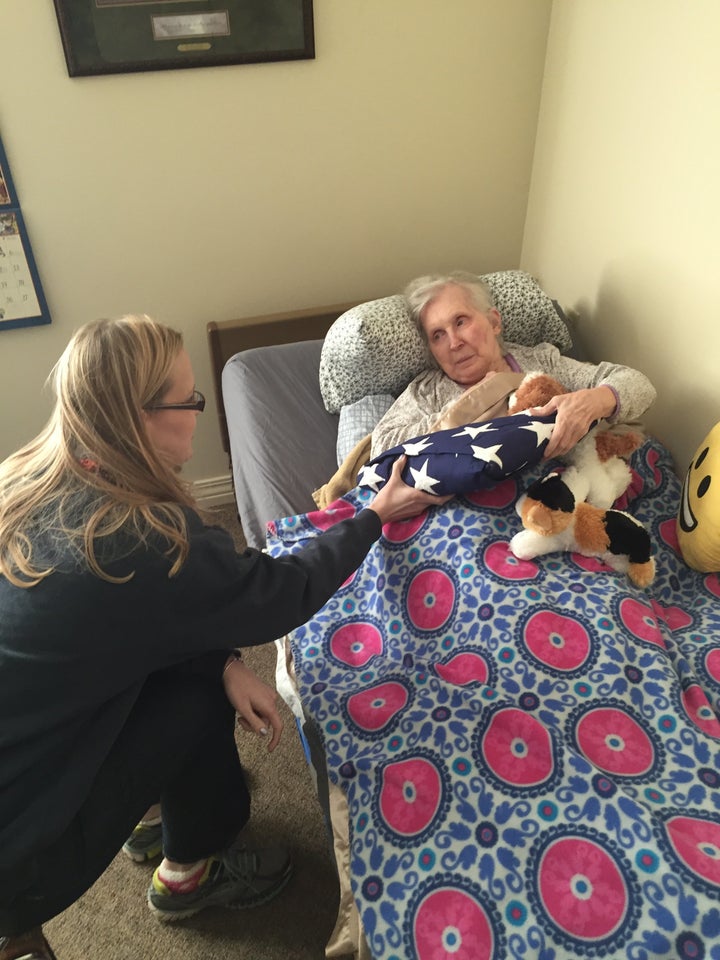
(8, 196)
(125, 36)
(22, 301)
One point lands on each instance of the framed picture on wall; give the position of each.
(22, 301)
(8, 197)
(122, 36)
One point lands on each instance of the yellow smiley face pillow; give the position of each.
(698, 521)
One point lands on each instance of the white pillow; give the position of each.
(375, 347)
(359, 419)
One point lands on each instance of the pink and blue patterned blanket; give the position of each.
(530, 749)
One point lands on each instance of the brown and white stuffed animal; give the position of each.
(596, 470)
(554, 520)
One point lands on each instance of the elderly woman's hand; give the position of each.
(576, 412)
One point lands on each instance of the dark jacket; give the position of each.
(75, 651)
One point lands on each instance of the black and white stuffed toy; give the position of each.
(553, 521)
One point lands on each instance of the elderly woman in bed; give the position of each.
(462, 326)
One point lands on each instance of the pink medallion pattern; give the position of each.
(698, 708)
(697, 843)
(712, 584)
(374, 707)
(712, 663)
(451, 924)
(504, 564)
(518, 748)
(591, 564)
(410, 795)
(337, 511)
(503, 494)
(400, 531)
(464, 668)
(556, 640)
(355, 643)
(582, 888)
(430, 599)
(674, 617)
(668, 531)
(640, 619)
(615, 742)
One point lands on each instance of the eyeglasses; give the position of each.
(197, 403)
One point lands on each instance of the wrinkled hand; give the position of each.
(576, 412)
(398, 500)
(255, 702)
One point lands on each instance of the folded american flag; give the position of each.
(466, 458)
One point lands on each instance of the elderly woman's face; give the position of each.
(463, 340)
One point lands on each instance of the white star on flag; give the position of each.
(472, 432)
(415, 449)
(487, 454)
(422, 480)
(369, 477)
(541, 430)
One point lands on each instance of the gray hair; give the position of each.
(420, 292)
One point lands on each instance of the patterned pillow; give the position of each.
(375, 348)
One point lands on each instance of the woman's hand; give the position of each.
(398, 500)
(576, 412)
(254, 700)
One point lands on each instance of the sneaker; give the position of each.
(238, 878)
(26, 946)
(144, 843)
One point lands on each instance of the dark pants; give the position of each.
(178, 746)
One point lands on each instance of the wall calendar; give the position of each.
(22, 302)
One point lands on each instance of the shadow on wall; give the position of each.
(642, 318)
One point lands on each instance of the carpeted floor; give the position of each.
(111, 921)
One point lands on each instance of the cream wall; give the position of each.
(624, 210)
(205, 194)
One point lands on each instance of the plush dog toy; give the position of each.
(596, 471)
(553, 520)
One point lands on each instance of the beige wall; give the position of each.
(624, 212)
(198, 195)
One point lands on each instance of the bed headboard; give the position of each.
(228, 337)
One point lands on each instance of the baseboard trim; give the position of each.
(214, 491)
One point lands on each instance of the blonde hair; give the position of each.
(108, 373)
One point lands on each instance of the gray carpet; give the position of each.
(111, 921)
